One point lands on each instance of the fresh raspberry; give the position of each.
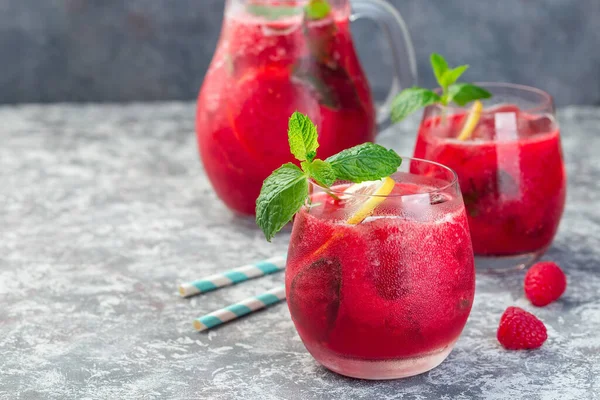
(521, 330)
(544, 283)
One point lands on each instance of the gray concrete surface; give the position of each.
(104, 209)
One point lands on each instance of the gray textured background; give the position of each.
(121, 50)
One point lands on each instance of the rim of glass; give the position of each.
(546, 100)
(453, 182)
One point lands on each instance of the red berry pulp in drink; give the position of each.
(511, 174)
(261, 73)
(396, 286)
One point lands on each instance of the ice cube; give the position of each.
(505, 125)
(418, 206)
(540, 125)
(438, 198)
(485, 128)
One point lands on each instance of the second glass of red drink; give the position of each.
(507, 154)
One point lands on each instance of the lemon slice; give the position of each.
(472, 121)
(376, 190)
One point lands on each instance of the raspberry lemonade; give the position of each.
(275, 57)
(507, 154)
(510, 169)
(380, 273)
(387, 297)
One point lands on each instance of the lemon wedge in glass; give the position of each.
(472, 121)
(366, 196)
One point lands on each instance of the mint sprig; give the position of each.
(273, 12)
(314, 10)
(410, 100)
(285, 191)
(317, 9)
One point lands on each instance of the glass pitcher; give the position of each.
(274, 58)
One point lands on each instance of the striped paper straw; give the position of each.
(237, 310)
(233, 276)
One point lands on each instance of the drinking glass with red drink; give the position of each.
(506, 150)
(380, 273)
(510, 167)
(387, 297)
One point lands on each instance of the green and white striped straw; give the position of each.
(242, 308)
(233, 276)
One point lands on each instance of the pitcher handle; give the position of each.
(403, 53)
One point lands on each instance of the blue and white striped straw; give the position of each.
(242, 308)
(233, 276)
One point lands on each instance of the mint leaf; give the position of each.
(302, 136)
(317, 9)
(322, 172)
(463, 93)
(273, 12)
(281, 196)
(365, 162)
(452, 75)
(411, 100)
(439, 65)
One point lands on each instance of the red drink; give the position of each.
(511, 174)
(261, 73)
(390, 296)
